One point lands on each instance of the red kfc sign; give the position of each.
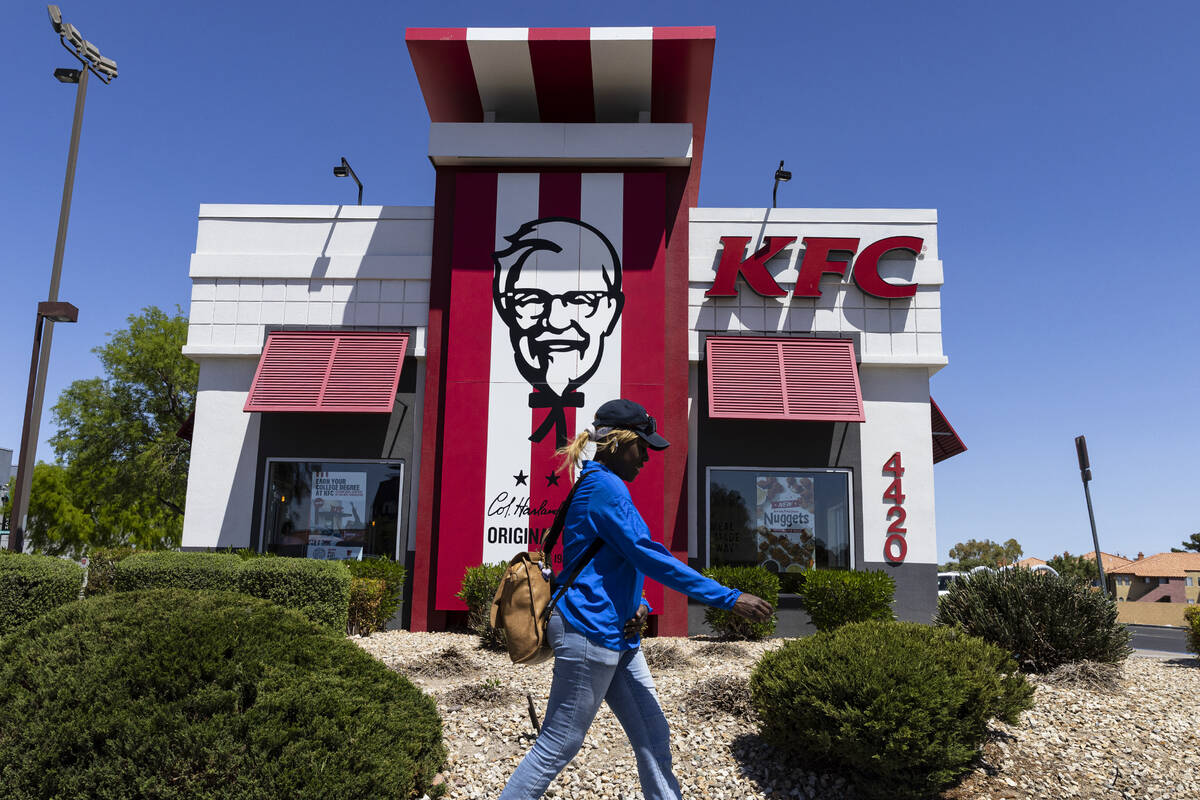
(814, 264)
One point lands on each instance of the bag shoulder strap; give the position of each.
(560, 517)
(552, 538)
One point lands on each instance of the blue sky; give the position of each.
(1058, 142)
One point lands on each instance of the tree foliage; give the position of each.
(1075, 566)
(123, 467)
(1191, 543)
(986, 553)
(56, 525)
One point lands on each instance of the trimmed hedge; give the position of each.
(1192, 615)
(167, 569)
(900, 708)
(32, 585)
(102, 567)
(177, 694)
(366, 596)
(478, 589)
(318, 589)
(392, 573)
(755, 580)
(1044, 620)
(836, 597)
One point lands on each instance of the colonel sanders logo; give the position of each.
(557, 287)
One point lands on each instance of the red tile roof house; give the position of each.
(1162, 578)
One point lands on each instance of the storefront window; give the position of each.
(332, 509)
(787, 520)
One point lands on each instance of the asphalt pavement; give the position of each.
(1159, 639)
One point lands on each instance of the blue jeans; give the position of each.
(585, 674)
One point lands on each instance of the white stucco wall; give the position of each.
(900, 332)
(258, 267)
(898, 341)
(896, 404)
(224, 451)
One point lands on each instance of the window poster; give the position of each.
(785, 516)
(338, 516)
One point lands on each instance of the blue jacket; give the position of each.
(608, 591)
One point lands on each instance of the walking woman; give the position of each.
(596, 627)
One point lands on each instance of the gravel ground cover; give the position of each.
(1140, 739)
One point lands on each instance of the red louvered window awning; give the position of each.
(350, 371)
(783, 378)
(945, 441)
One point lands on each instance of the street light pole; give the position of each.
(1085, 473)
(106, 69)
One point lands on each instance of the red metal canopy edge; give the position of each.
(576, 74)
(946, 443)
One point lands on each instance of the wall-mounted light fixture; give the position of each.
(344, 170)
(781, 174)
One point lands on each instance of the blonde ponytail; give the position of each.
(572, 453)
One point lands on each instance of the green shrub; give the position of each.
(33, 585)
(1192, 615)
(392, 573)
(165, 569)
(837, 597)
(366, 595)
(1044, 620)
(478, 588)
(901, 707)
(755, 580)
(102, 568)
(791, 582)
(320, 590)
(246, 553)
(174, 694)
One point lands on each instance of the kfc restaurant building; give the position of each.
(395, 380)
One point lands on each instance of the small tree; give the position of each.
(1191, 543)
(124, 466)
(1076, 566)
(967, 555)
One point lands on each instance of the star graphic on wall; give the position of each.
(552, 479)
(520, 478)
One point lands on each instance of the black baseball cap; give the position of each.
(632, 417)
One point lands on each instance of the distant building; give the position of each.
(1162, 578)
(1030, 563)
(1108, 560)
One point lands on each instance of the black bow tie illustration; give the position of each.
(557, 418)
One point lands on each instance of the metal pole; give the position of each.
(33, 410)
(1095, 539)
(20, 491)
(1085, 474)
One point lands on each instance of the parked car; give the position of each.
(944, 581)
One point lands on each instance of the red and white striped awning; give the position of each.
(564, 74)
(759, 377)
(351, 371)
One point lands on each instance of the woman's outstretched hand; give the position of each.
(752, 608)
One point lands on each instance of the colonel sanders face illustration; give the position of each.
(557, 287)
